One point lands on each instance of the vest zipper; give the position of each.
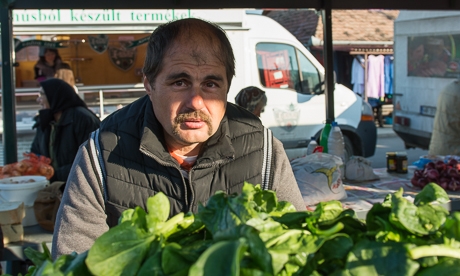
(200, 166)
(161, 162)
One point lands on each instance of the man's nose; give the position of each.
(195, 100)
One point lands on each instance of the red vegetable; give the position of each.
(414, 181)
(444, 181)
(418, 173)
(440, 165)
(444, 184)
(452, 162)
(432, 175)
(422, 182)
(452, 172)
(453, 185)
(430, 165)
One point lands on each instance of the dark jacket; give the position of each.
(138, 164)
(73, 128)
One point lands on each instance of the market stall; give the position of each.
(362, 196)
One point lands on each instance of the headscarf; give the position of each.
(60, 96)
(250, 97)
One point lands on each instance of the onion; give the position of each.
(418, 173)
(452, 172)
(8, 168)
(430, 165)
(432, 175)
(444, 182)
(422, 182)
(440, 165)
(453, 185)
(414, 181)
(452, 162)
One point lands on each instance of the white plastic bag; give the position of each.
(359, 168)
(319, 178)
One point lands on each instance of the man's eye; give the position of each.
(179, 83)
(211, 84)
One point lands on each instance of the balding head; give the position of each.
(195, 33)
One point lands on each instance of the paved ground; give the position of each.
(385, 132)
(387, 141)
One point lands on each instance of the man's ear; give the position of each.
(147, 86)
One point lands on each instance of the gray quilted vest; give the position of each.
(130, 157)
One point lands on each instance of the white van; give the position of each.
(267, 56)
(271, 58)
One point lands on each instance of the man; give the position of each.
(183, 139)
(445, 137)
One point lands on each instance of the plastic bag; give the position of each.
(319, 178)
(30, 165)
(359, 168)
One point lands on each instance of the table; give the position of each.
(13, 253)
(362, 195)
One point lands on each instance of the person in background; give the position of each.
(48, 64)
(62, 125)
(183, 139)
(253, 99)
(65, 73)
(445, 137)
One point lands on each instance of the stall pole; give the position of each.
(101, 104)
(328, 59)
(8, 95)
(365, 77)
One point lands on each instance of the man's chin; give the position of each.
(194, 138)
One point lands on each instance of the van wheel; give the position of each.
(348, 146)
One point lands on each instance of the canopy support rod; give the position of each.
(326, 13)
(8, 97)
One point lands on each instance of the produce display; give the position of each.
(30, 165)
(444, 174)
(255, 234)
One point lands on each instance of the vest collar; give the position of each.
(218, 147)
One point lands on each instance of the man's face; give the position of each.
(189, 95)
(42, 100)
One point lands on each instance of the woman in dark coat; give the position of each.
(63, 124)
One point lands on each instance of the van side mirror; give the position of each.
(320, 88)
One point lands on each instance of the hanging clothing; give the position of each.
(357, 75)
(375, 84)
(389, 74)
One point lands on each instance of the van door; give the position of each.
(293, 112)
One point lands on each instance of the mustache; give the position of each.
(197, 114)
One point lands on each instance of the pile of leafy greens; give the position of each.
(252, 233)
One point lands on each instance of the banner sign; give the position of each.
(436, 56)
(136, 43)
(99, 43)
(42, 43)
(112, 16)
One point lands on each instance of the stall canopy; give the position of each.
(6, 6)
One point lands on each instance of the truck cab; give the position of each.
(427, 59)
